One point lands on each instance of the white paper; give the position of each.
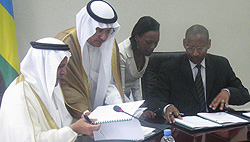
(246, 114)
(105, 114)
(196, 122)
(127, 130)
(222, 117)
(147, 131)
(118, 125)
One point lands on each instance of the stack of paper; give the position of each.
(117, 125)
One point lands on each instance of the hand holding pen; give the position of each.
(82, 126)
(87, 118)
(90, 122)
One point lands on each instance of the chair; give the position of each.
(150, 76)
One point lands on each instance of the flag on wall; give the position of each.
(9, 60)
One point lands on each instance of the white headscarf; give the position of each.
(86, 27)
(39, 68)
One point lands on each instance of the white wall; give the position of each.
(227, 21)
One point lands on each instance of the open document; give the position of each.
(210, 120)
(117, 125)
(246, 114)
(222, 118)
(196, 122)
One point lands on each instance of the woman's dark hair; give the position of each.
(144, 24)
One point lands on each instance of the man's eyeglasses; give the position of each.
(108, 32)
(192, 48)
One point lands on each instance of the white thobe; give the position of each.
(112, 96)
(23, 120)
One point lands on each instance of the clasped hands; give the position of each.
(220, 100)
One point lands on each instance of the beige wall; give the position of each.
(227, 21)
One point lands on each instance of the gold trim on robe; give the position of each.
(75, 85)
(48, 117)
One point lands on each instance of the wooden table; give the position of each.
(226, 134)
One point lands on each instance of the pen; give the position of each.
(87, 118)
(90, 122)
(156, 110)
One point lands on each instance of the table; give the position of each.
(226, 134)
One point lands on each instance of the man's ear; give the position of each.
(209, 44)
(184, 43)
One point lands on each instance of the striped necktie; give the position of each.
(200, 89)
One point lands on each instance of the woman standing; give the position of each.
(134, 54)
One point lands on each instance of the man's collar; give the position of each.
(194, 65)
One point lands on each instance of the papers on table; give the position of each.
(245, 107)
(106, 114)
(196, 122)
(148, 131)
(246, 114)
(118, 125)
(127, 130)
(208, 120)
(222, 118)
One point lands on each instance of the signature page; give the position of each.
(196, 122)
(222, 117)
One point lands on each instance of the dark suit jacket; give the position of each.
(176, 86)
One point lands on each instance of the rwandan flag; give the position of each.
(9, 60)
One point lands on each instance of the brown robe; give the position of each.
(75, 85)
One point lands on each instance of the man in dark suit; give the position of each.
(179, 89)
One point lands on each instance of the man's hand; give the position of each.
(88, 113)
(222, 98)
(171, 112)
(146, 115)
(83, 127)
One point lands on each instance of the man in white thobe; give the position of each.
(33, 107)
(94, 76)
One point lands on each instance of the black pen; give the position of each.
(90, 122)
(87, 118)
(156, 110)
